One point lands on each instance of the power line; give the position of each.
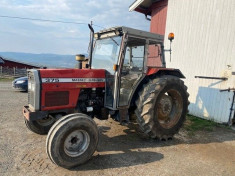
(37, 19)
(46, 20)
(53, 21)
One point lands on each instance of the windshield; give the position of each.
(106, 53)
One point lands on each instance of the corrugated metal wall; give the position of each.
(204, 45)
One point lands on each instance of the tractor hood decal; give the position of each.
(71, 80)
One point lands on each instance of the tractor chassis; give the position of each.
(37, 115)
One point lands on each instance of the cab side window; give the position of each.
(134, 56)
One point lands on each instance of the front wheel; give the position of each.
(72, 140)
(40, 126)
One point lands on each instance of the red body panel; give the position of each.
(155, 70)
(68, 73)
(73, 87)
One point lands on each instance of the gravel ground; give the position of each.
(121, 151)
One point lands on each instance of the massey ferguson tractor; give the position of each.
(126, 74)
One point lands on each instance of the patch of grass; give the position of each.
(194, 124)
(6, 79)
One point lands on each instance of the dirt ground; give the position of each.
(121, 151)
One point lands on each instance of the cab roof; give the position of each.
(120, 30)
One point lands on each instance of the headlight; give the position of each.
(29, 85)
(20, 81)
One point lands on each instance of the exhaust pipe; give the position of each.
(91, 44)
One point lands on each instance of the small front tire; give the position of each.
(72, 141)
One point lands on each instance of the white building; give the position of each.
(204, 45)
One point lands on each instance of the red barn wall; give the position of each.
(158, 25)
(11, 64)
(158, 17)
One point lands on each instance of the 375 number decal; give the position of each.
(50, 80)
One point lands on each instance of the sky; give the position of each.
(59, 38)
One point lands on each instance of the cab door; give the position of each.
(132, 70)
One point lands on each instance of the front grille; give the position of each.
(31, 93)
(58, 98)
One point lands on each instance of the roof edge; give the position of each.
(135, 4)
(143, 6)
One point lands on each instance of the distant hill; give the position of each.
(49, 60)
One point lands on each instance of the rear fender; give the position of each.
(165, 71)
(154, 72)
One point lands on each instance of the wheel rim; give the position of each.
(76, 143)
(169, 108)
(47, 121)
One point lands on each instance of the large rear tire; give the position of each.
(41, 126)
(72, 140)
(162, 107)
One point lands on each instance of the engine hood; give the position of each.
(72, 73)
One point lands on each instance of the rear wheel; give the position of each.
(162, 107)
(72, 140)
(40, 126)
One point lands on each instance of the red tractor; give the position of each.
(121, 78)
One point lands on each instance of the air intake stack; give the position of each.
(80, 58)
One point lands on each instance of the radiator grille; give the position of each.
(58, 98)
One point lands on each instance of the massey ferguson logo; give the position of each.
(87, 80)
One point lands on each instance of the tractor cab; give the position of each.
(127, 55)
